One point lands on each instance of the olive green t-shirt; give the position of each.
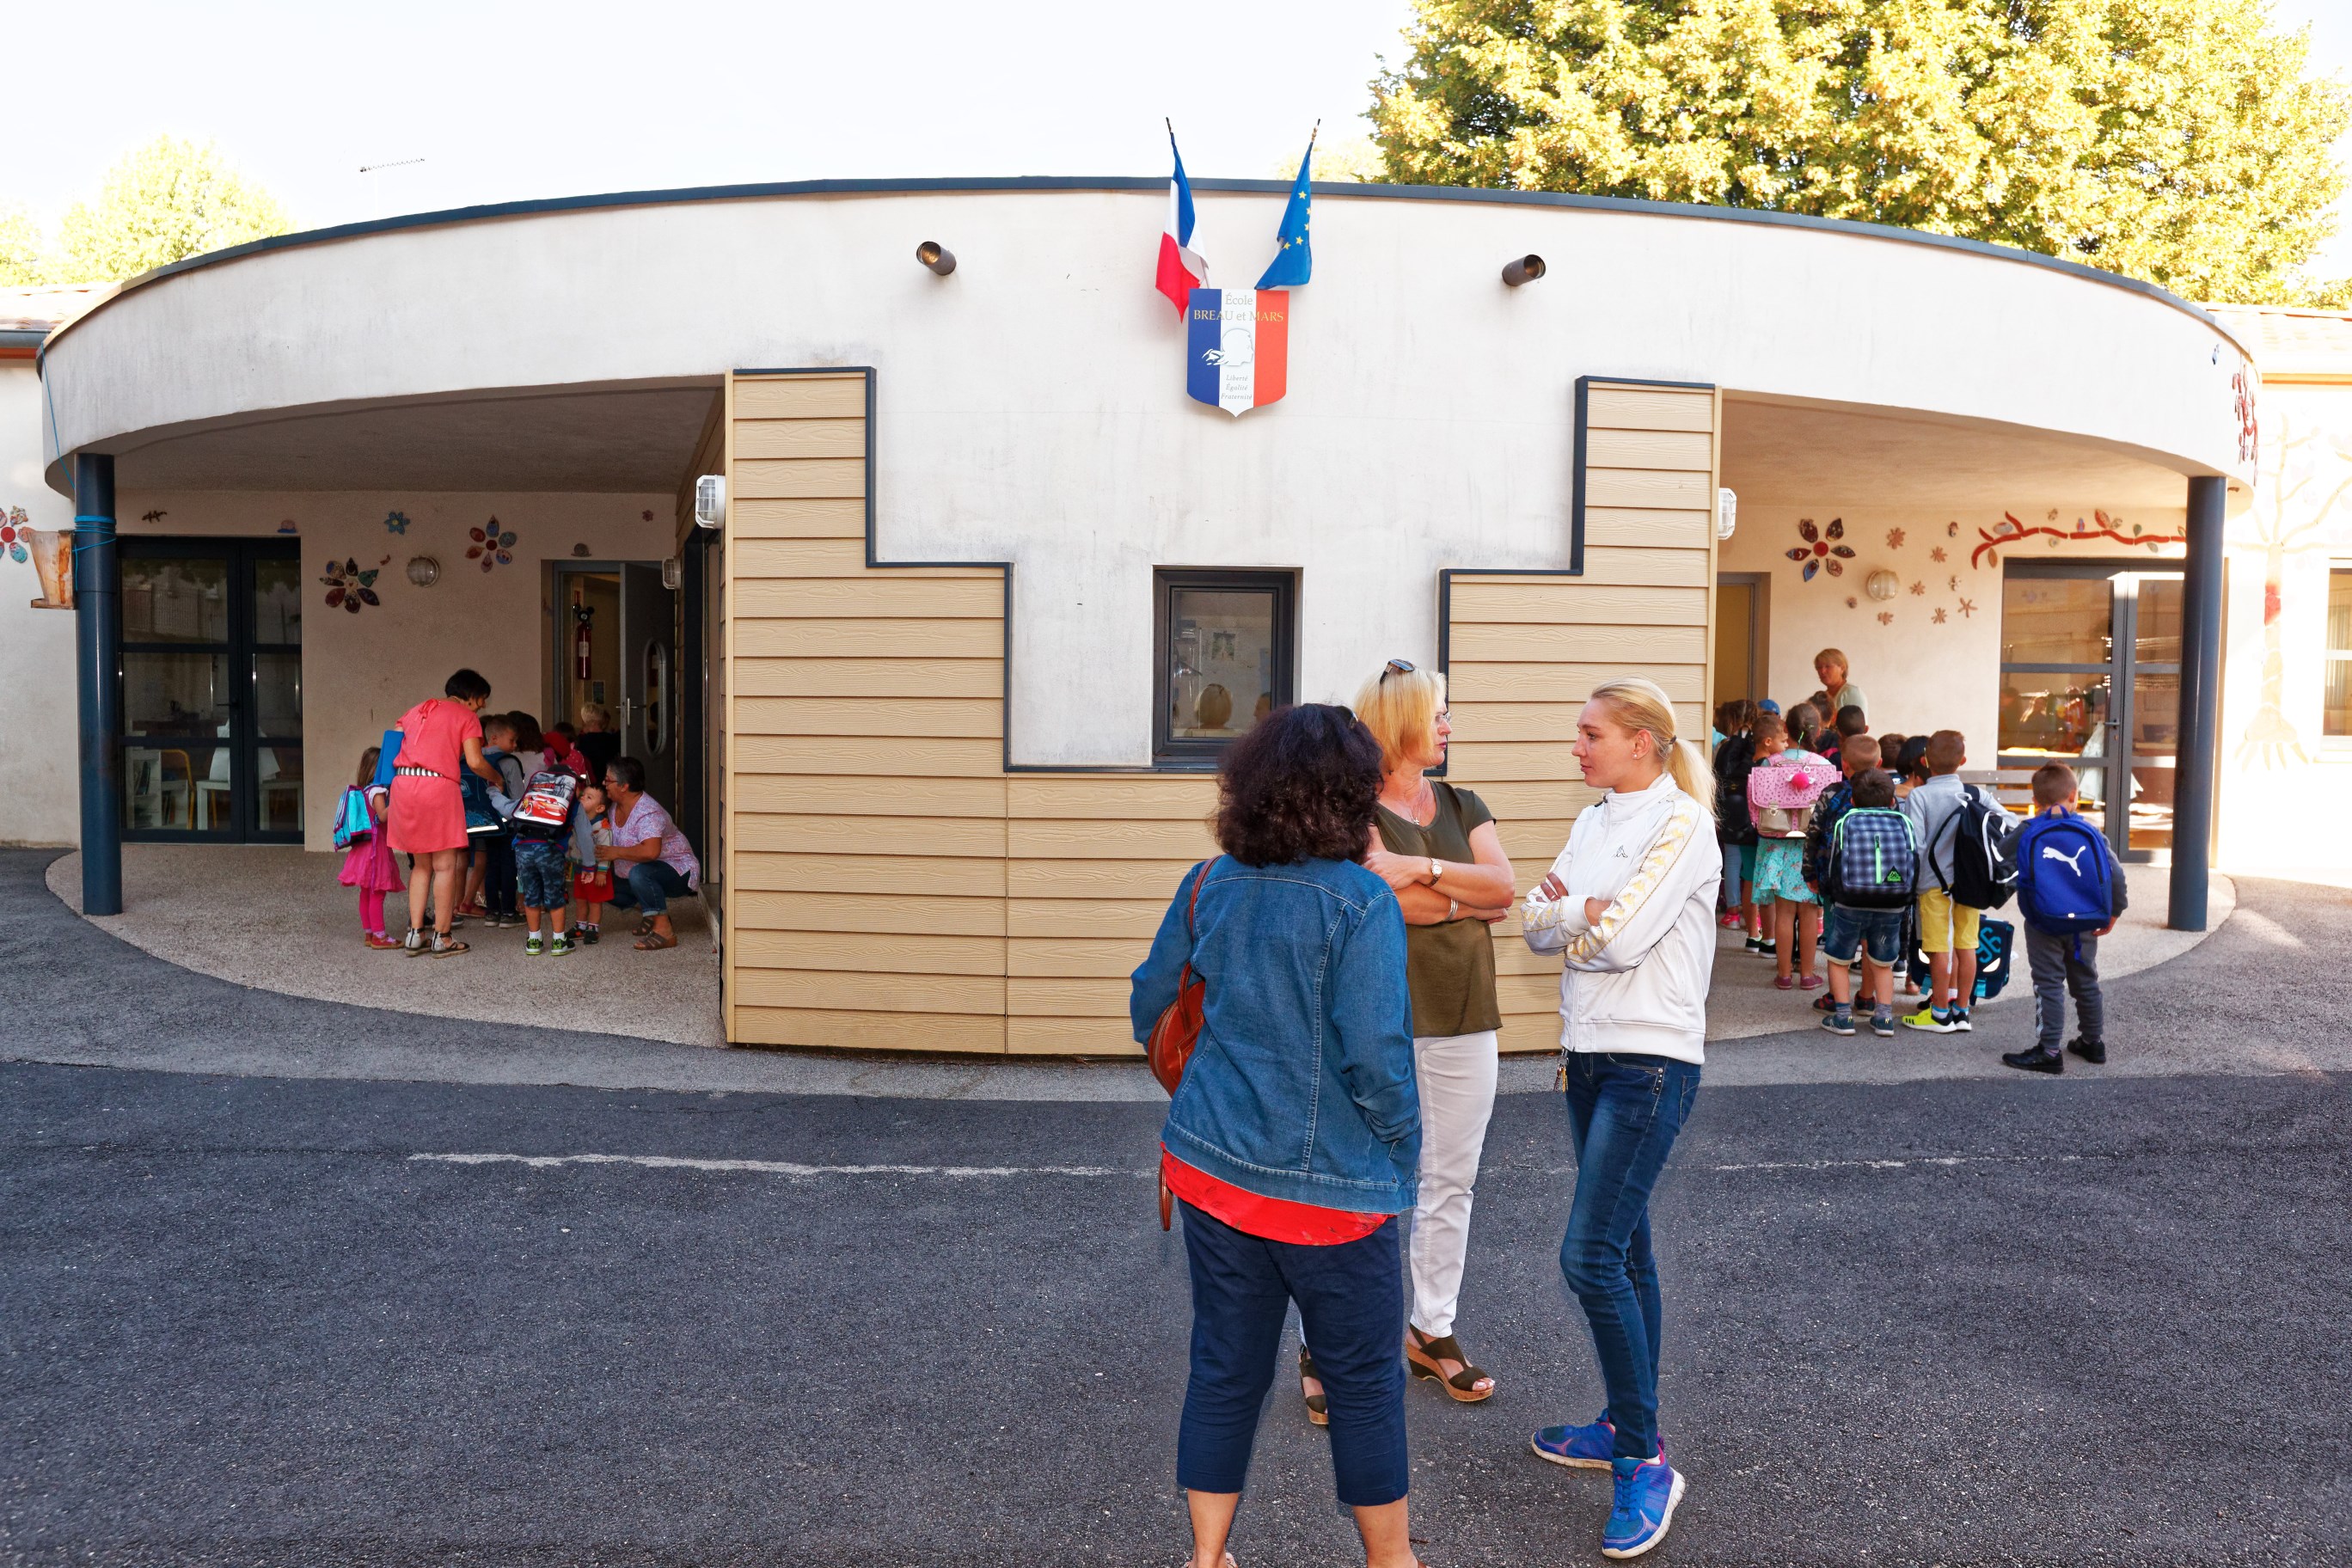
(1449, 967)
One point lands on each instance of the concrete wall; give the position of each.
(359, 672)
(41, 799)
(1031, 408)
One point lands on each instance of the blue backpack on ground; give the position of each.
(1994, 940)
(1873, 860)
(2065, 880)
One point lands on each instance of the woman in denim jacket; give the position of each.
(1294, 1140)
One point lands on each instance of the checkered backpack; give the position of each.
(1873, 860)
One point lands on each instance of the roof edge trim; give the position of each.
(540, 206)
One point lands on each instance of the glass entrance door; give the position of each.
(2090, 676)
(211, 666)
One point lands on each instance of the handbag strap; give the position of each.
(1191, 912)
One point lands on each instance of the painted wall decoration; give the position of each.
(2270, 738)
(2009, 530)
(491, 547)
(16, 533)
(395, 522)
(2241, 398)
(1820, 547)
(50, 550)
(1238, 347)
(349, 586)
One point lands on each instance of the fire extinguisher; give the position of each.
(579, 640)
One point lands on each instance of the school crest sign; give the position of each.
(1238, 347)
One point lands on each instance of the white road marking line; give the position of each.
(1900, 1164)
(777, 1167)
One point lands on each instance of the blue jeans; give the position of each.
(1877, 932)
(1351, 1305)
(650, 885)
(1623, 1111)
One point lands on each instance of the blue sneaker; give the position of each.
(1647, 1492)
(1578, 1447)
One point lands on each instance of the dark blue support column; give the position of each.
(97, 631)
(2200, 704)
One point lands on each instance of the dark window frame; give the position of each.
(1169, 753)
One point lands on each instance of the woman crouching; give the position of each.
(1631, 904)
(1293, 1139)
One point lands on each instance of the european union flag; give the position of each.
(1294, 259)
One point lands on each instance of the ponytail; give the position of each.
(1643, 705)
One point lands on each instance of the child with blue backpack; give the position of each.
(2071, 891)
(1869, 871)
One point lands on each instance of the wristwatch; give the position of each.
(1435, 871)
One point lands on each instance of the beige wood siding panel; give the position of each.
(799, 397)
(751, 518)
(885, 913)
(1097, 879)
(873, 953)
(884, 755)
(1618, 407)
(1479, 684)
(1632, 528)
(1032, 997)
(760, 870)
(761, 438)
(1080, 839)
(951, 716)
(1069, 1037)
(881, 638)
(878, 594)
(1608, 448)
(1538, 800)
(951, 836)
(1063, 919)
(1646, 487)
(871, 678)
(801, 479)
(844, 1030)
(1120, 796)
(1614, 567)
(1618, 646)
(1482, 722)
(982, 994)
(1075, 957)
(834, 558)
(1565, 600)
(821, 792)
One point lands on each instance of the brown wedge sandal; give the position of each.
(1318, 1407)
(1426, 1357)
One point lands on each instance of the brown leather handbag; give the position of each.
(1168, 1047)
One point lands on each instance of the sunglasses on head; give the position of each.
(1397, 666)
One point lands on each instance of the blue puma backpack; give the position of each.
(1873, 860)
(2065, 885)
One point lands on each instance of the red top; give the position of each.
(434, 733)
(1269, 1219)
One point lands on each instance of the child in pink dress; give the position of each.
(368, 864)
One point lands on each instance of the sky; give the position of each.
(505, 101)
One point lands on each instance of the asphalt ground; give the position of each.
(2023, 1320)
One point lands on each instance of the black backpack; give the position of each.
(1732, 761)
(1984, 852)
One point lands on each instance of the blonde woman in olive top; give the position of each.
(1440, 851)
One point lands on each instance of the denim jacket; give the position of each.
(1302, 1085)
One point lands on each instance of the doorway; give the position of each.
(616, 636)
(210, 661)
(1740, 656)
(2090, 676)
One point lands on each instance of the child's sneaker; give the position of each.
(1809, 983)
(532, 945)
(1588, 1447)
(1881, 1023)
(1960, 1024)
(2040, 1058)
(1840, 1022)
(588, 935)
(2092, 1051)
(1647, 1493)
(1933, 1022)
(382, 943)
(561, 946)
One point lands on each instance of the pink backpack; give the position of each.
(1781, 793)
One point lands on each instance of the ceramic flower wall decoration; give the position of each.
(490, 547)
(1893, 539)
(1821, 548)
(395, 522)
(13, 531)
(350, 587)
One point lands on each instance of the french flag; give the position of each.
(1180, 268)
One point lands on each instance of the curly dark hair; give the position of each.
(1302, 785)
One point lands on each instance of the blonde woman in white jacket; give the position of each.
(1629, 904)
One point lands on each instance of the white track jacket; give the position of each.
(1636, 979)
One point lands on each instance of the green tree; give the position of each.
(169, 199)
(20, 249)
(2183, 142)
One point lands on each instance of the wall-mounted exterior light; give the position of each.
(1523, 269)
(424, 571)
(1727, 513)
(710, 501)
(936, 256)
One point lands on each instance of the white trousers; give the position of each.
(1457, 1075)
